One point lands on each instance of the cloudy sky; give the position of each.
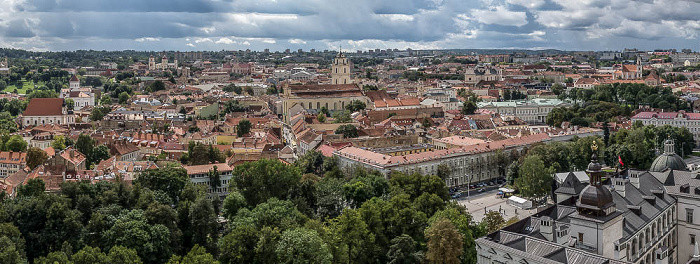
(352, 24)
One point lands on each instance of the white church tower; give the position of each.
(340, 70)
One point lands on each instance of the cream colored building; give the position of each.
(341, 70)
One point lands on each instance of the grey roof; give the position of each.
(668, 161)
(539, 250)
(650, 199)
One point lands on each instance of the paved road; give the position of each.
(478, 204)
(692, 160)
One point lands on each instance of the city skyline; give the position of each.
(355, 25)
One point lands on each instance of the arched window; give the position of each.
(634, 247)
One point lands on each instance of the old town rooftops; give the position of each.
(378, 159)
(325, 90)
(667, 115)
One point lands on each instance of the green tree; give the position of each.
(493, 221)
(321, 118)
(170, 181)
(98, 154)
(263, 179)
(232, 203)
(56, 257)
(8, 252)
(198, 255)
(120, 254)
(301, 245)
(152, 242)
(99, 112)
(36, 157)
(203, 224)
(16, 143)
(123, 97)
(70, 104)
(243, 127)
(444, 242)
(354, 236)
(59, 143)
(238, 246)
(364, 187)
(355, 105)
(105, 100)
(85, 144)
(34, 188)
(534, 178)
(469, 108)
(348, 131)
(404, 250)
(90, 255)
(342, 117)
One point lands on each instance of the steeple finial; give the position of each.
(696, 252)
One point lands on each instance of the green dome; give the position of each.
(668, 161)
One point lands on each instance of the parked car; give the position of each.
(472, 186)
(482, 190)
(457, 195)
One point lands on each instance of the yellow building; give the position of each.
(341, 70)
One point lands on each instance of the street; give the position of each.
(478, 204)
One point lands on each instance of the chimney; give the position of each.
(634, 178)
(619, 185)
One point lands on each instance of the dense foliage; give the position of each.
(309, 212)
(604, 103)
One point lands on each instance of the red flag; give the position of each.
(619, 158)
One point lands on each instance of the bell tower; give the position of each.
(340, 70)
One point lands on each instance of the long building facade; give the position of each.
(674, 119)
(469, 164)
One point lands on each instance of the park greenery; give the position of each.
(530, 170)
(604, 103)
(307, 212)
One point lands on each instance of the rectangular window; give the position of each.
(692, 239)
(580, 237)
(689, 215)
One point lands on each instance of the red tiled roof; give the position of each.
(199, 169)
(44, 107)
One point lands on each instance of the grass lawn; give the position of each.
(25, 86)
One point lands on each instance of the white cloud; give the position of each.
(500, 16)
(527, 3)
(227, 41)
(397, 17)
(147, 39)
(189, 45)
(297, 41)
(202, 40)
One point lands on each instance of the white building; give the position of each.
(532, 111)
(469, 164)
(642, 217)
(674, 119)
(46, 111)
(199, 175)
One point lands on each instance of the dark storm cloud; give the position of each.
(18, 29)
(255, 24)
